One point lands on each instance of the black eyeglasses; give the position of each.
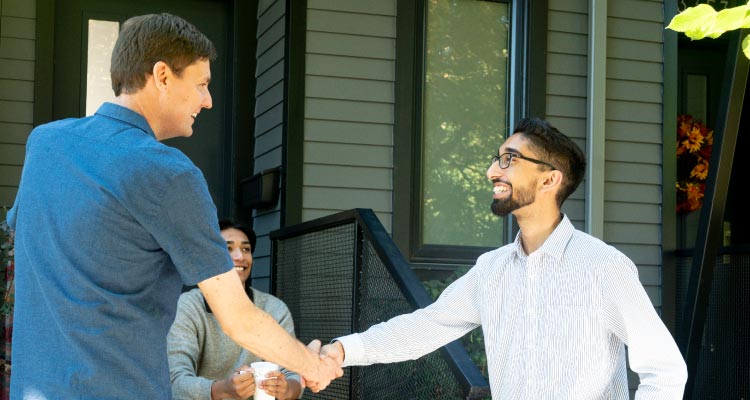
(506, 158)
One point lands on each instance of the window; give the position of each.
(102, 36)
(461, 81)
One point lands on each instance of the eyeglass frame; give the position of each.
(511, 156)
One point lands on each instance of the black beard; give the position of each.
(503, 207)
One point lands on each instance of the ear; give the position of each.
(161, 72)
(552, 180)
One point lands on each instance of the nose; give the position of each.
(493, 171)
(207, 101)
(236, 254)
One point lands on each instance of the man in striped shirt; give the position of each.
(558, 307)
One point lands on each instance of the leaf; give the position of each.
(729, 19)
(746, 46)
(695, 22)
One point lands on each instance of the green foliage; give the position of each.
(474, 340)
(702, 21)
(6, 265)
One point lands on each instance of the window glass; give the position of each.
(102, 37)
(465, 116)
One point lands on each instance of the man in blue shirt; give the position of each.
(110, 223)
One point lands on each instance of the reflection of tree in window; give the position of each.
(465, 119)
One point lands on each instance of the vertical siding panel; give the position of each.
(349, 90)
(17, 54)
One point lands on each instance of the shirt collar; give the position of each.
(126, 115)
(555, 244)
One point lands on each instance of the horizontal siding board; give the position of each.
(272, 77)
(633, 70)
(379, 7)
(12, 154)
(566, 85)
(566, 64)
(349, 45)
(349, 111)
(10, 175)
(562, 21)
(265, 223)
(269, 119)
(632, 172)
(631, 191)
(19, 28)
(571, 126)
(634, 50)
(16, 69)
(349, 89)
(620, 232)
(647, 31)
(271, 14)
(14, 133)
(271, 62)
(8, 196)
(572, 6)
(271, 159)
(568, 43)
(18, 8)
(649, 275)
(637, 9)
(348, 154)
(566, 106)
(647, 92)
(310, 214)
(345, 199)
(16, 111)
(349, 67)
(634, 131)
(633, 151)
(634, 111)
(16, 90)
(353, 177)
(268, 38)
(272, 97)
(264, 5)
(269, 140)
(349, 23)
(642, 254)
(261, 269)
(17, 49)
(624, 211)
(348, 132)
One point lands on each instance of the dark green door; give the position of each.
(210, 147)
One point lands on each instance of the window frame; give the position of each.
(528, 44)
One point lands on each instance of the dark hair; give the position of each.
(249, 232)
(147, 39)
(557, 149)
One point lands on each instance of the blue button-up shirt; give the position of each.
(109, 224)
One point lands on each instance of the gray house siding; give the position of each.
(17, 54)
(269, 122)
(349, 100)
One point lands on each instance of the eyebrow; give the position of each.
(243, 242)
(510, 150)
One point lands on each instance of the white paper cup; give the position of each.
(262, 368)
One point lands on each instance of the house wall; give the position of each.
(349, 107)
(269, 122)
(17, 54)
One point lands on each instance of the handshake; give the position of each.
(330, 358)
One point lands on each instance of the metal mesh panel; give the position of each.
(428, 377)
(314, 278)
(724, 367)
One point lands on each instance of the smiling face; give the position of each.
(183, 99)
(240, 250)
(514, 187)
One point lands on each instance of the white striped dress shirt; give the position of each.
(555, 324)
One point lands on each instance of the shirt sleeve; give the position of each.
(184, 353)
(186, 226)
(652, 351)
(401, 338)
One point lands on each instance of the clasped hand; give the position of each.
(329, 366)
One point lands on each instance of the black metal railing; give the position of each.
(723, 370)
(342, 274)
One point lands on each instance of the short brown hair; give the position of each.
(147, 39)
